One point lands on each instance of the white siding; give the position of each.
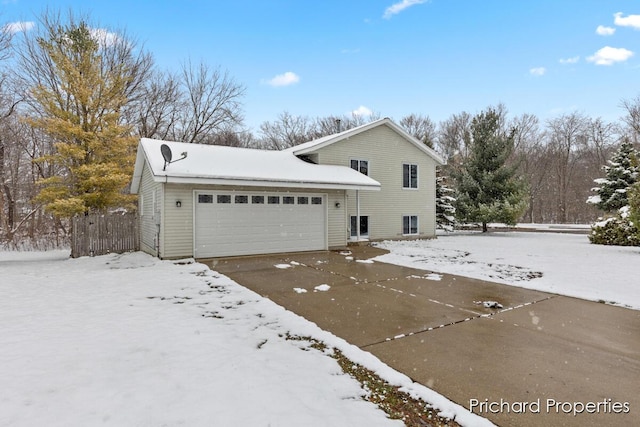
(148, 215)
(337, 218)
(386, 151)
(177, 227)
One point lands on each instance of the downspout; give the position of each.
(357, 215)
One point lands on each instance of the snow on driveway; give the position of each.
(129, 340)
(565, 264)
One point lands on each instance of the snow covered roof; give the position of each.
(214, 164)
(316, 144)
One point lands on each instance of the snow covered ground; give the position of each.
(565, 264)
(128, 340)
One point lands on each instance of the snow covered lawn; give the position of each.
(565, 264)
(128, 340)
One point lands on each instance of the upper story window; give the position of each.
(409, 175)
(361, 166)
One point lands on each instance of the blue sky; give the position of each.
(392, 57)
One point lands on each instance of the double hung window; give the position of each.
(409, 175)
(361, 166)
(409, 224)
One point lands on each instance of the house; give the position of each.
(367, 183)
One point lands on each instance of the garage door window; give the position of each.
(273, 200)
(205, 198)
(288, 200)
(303, 200)
(257, 200)
(242, 200)
(224, 198)
(316, 200)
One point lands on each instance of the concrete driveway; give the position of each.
(534, 362)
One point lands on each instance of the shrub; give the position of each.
(616, 230)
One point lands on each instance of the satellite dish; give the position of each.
(166, 154)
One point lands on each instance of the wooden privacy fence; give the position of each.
(93, 235)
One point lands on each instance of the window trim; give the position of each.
(417, 225)
(409, 187)
(353, 159)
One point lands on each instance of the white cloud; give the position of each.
(627, 21)
(572, 60)
(605, 31)
(103, 36)
(362, 111)
(16, 27)
(396, 8)
(609, 55)
(285, 79)
(538, 71)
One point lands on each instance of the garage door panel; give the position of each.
(226, 229)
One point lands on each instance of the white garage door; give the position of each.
(234, 223)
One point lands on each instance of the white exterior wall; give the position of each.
(386, 151)
(149, 213)
(177, 228)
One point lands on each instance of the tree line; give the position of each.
(75, 99)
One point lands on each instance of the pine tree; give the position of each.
(621, 173)
(81, 111)
(445, 211)
(634, 207)
(488, 189)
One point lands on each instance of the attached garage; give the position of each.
(218, 201)
(244, 223)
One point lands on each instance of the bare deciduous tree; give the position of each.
(531, 153)
(328, 125)
(454, 135)
(211, 103)
(156, 111)
(567, 133)
(420, 127)
(632, 117)
(288, 130)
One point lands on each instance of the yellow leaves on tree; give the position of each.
(94, 153)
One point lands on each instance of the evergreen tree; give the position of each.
(445, 211)
(621, 173)
(488, 189)
(80, 105)
(634, 207)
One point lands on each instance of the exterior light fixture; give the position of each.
(337, 205)
(178, 204)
